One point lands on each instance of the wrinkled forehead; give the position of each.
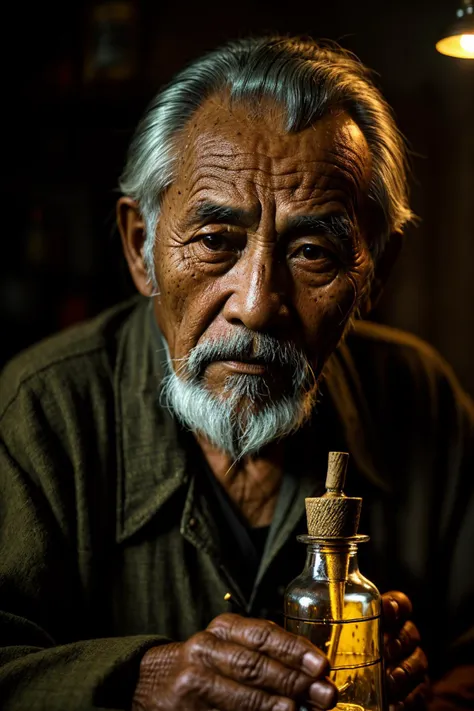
(232, 146)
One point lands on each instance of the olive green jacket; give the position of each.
(108, 545)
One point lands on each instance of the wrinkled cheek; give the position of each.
(181, 307)
(171, 306)
(328, 311)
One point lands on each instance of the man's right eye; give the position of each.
(215, 242)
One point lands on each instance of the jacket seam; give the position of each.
(44, 368)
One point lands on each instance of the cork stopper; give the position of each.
(337, 470)
(334, 514)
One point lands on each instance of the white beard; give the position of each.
(245, 418)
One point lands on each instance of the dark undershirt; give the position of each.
(243, 545)
(258, 536)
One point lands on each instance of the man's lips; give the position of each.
(249, 367)
(252, 368)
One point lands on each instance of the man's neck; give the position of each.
(253, 483)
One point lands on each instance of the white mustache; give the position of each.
(244, 345)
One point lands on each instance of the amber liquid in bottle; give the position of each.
(338, 610)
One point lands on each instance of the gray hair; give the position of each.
(307, 79)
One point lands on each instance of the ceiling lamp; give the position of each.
(458, 41)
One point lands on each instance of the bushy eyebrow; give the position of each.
(331, 225)
(207, 211)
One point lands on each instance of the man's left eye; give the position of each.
(313, 252)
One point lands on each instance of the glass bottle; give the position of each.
(333, 604)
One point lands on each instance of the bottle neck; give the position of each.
(330, 561)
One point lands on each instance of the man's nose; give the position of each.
(259, 296)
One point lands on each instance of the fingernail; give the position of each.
(323, 694)
(394, 605)
(312, 664)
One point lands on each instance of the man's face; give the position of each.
(261, 258)
(262, 231)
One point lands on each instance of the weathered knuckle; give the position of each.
(408, 674)
(290, 684)
(224, 625)
(226, 619)
(409, 664)
(249, 665)
(410, 633)
(201, 639)
(254, 701)
(258, 634)
(289, 646)
(188, 681)
(419, 663)
(409, 667)
(199, 647)
(403, 600)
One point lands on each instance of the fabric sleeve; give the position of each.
(46, 661)
(40, 605)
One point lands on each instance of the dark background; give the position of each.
(76, 78)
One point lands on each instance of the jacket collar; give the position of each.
(151, 463)
(151, 457)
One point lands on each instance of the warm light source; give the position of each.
(467, 43)
(458, 41)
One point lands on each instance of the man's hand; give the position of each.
(237, 663)
(406, 662)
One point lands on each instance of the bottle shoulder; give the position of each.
(314, 598)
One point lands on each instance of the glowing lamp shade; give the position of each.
(461, 46)
(458, 41)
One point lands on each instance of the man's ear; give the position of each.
(132, 231)
(383, 269)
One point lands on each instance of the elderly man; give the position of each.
(154, 462)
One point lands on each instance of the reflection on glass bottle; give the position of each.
(332, 604)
